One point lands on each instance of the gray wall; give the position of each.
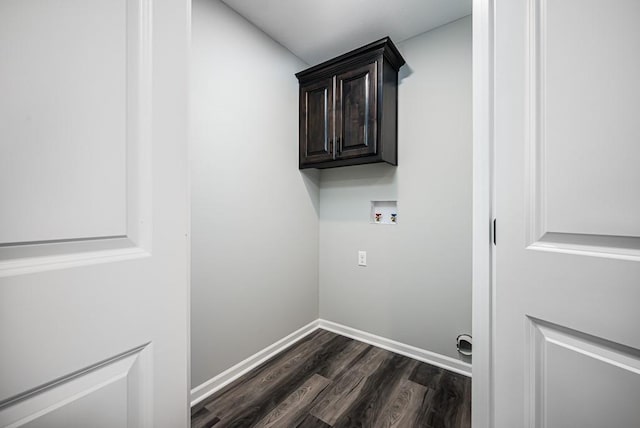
(416, 288)
(254, 215)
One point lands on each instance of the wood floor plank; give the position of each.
(203, 419)
(449, 406)
(312, 422)
(403, 407)
(374, 395)
(343, 361)
(274, 386)
(294, 408)
(265, 377)
(346, 390)
(426, 375)
(312, 341)
(452, 400)
(465, 407)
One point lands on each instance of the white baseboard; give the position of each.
(206, 389)
(423, 355)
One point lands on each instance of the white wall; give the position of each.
(254, 215)
(416, 288)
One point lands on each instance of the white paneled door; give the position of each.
(93, 213)
(567, 285)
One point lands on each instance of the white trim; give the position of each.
(605, 246)
(190, 158)
(206, 389)
(28, 265)
(483, 255)
(423, 355)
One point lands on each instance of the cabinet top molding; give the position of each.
(383, 46)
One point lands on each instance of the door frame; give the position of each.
(483, 261)
(483, 251)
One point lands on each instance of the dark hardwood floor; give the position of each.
(328, 380)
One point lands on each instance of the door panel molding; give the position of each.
(613, 247)
(553, 348)
(36, 256)
(129, 374)
(540, 235)
(40, 257)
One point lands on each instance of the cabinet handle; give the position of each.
(338, 148)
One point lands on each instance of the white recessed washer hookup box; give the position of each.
(384, 212)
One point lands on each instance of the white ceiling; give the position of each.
(317, 30)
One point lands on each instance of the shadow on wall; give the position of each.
(345, 188)
(311, 180)
(405, 71)
(380, 174)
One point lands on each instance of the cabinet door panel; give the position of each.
(316, 123)
(356, 111)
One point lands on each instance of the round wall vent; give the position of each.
(464, 344)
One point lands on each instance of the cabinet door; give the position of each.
(316, 122)
(356, 112)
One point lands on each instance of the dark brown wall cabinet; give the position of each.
(349, 108)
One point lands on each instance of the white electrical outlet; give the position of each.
(362, 258)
